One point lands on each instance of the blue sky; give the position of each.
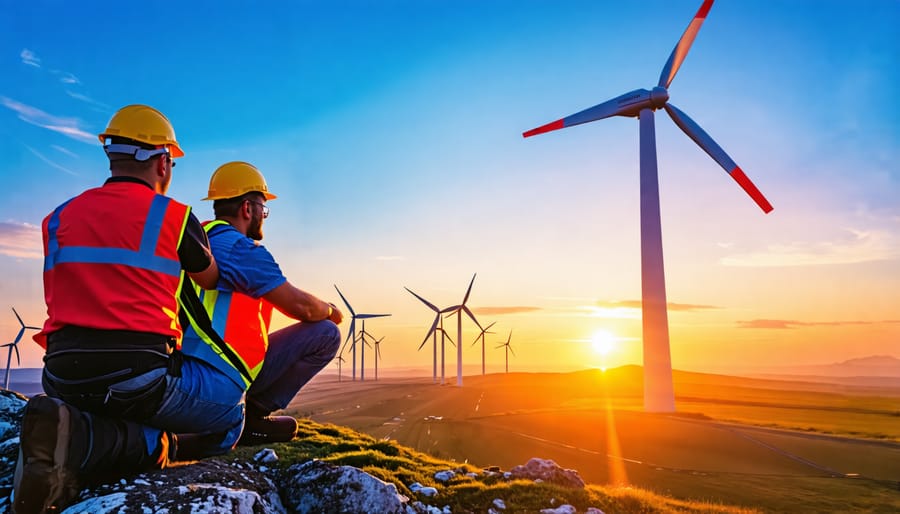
(391, 132)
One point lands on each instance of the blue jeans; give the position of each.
(205, 401)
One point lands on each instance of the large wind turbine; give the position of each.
(641, 103)
(458, 310)
(351, 335)
(436, 326)
(14, 345)
(484, 331)
(508, 349)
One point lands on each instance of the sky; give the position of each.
(391, 132)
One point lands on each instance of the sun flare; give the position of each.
(603, 342)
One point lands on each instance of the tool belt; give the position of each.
(117, 373)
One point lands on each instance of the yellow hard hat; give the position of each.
(236, 178)
(145, 124)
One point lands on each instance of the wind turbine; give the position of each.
(15, 346)
(340, 359)
(362, 352)
(436, 326)
(458, 310)
(641, 103)
(352, 333)
(377, 355)
(508, 350)
(484, 331)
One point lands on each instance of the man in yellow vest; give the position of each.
(229, 326)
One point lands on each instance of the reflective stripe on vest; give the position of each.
(240, 321)
(143, 258)
(111, 261)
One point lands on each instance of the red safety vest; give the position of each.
(243, 324)
(111, 261)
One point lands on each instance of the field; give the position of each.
(774, 445)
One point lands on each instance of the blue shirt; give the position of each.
(244, 265)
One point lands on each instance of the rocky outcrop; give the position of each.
(254, 487)
(547, 471)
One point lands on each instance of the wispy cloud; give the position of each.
(781, 324)
(66, 78)
(21, 240)
(49, 162)
(62, 149)
(29, 58)
(855, 246)
(69, 127)
(88, 100)
(636, 304)
(499, 311)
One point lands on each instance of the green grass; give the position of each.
(402, 466)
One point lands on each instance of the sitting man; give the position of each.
(229, 327)
(118, 390)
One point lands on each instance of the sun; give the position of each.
(603, 342)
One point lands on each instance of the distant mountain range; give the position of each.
(881, 370)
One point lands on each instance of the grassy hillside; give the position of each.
(774, 445)
(403, 466)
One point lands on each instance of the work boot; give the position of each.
(268, 429)
(52, 446)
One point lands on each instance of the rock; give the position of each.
(316, 486)
(423, 490)
(500, 504)
(562, 509)
(266, 455)
(209, 486)
(444, 476)
(547, 471)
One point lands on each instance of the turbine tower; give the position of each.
(508, 349)
(340, 359)
(14, 345)
(352, 333)
(362, 352)
(641, 103)
(436, 326)
(377, 355)
(484, 331)
(458, 310)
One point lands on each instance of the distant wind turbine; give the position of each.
(436, 326)
(351, 335)
(458, 310)
(377, 355)
(658, 391)
(340, 359)
(484, 331)
(508, 350)
(362, 352)
(14, 345)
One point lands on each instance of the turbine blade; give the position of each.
(469, 290)
(352, 331)
(18, 317)
(489, 327)
(19, 335)
(352, 314)
(451, 310)
(448, 336)
(684, 45)
(430, 331)
(623, 105)
(704, 141)
(511, 350)
(367, 316)
(426, 302)
(472, 317)
(18, 360)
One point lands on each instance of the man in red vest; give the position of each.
(118, 388)
(229, 327)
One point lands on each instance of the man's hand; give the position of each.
(335, 314)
